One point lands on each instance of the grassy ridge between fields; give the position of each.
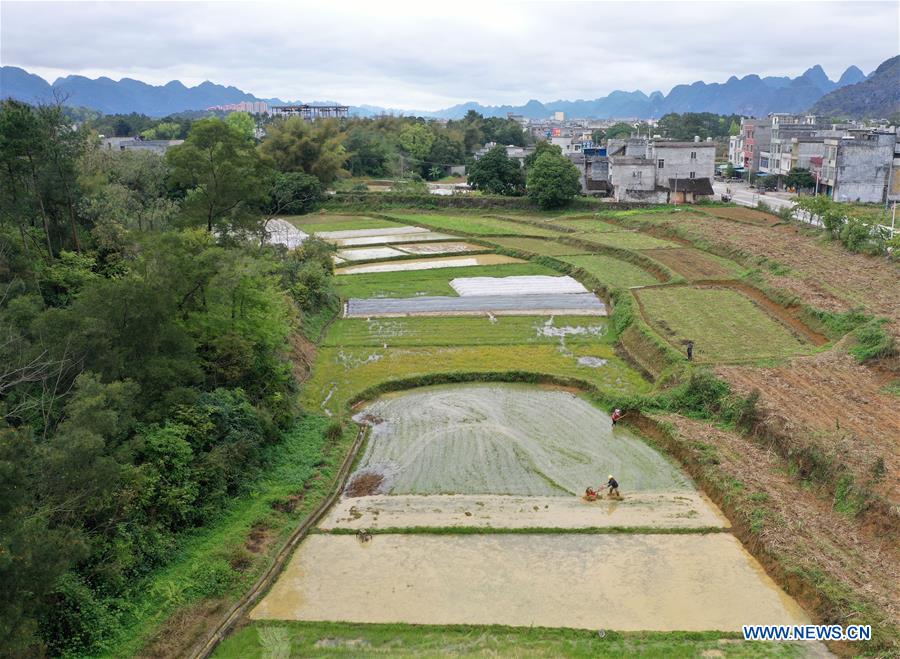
(320, 639)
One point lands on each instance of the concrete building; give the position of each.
(659, 171)
(860, 167)
(137, 144)
(559, 116)
(736, 150)
(756, 138)
(515, 152)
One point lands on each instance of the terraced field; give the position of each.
(465, 505)
(725, 325)
(612, 271)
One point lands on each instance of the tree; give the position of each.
(243, 123)
(729, 170)
(221, 174)
(800, 178)
(445, 151)
(553, 181)
(369, 153)
(313, 147)
(166, 130)
(598, 135)
(619, 131)
(542, 147)
(495, 172)
(416, 140)
(294, 193)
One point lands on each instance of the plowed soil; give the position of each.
(835, 404)
(823, 273)
(740, 214)
(692, 264)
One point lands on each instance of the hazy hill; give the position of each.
(877, 96)
(750, 95)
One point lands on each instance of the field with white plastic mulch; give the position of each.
(429, 264)
(520, 285)
(576, 304)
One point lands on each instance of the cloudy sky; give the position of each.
(431, 54)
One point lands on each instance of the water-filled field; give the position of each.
(505, 439)
(688, 582)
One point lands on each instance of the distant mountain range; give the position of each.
(750, 95)
(877, 96)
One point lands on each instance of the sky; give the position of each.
(430, 54)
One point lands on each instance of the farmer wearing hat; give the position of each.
(613, 486)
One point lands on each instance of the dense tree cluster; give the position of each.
(144, 334)
(703, 124)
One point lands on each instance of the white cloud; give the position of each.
(429, 55)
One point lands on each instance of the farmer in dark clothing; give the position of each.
(613, 486)
(690, 351)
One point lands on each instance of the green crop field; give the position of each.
(724, 324)
(427, 282)
(624, 239)
(538, 246)
(612, 271)
(467, 330)
(340, 374)
(314, 223)
(589, 225)
(474, 225)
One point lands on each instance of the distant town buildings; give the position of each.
(660, 171)
(311, 112)
(253, 107)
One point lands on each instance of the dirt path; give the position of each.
(681, 510)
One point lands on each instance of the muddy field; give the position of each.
(623, 582)
(831, 402)
(505, 439)
(668, 510)
(799, 526)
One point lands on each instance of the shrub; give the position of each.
(872, 341)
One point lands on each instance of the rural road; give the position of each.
(741, 194)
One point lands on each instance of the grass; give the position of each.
(464, 330)
(611, 271)
(724, 324)
(588, 225)
(475, 225)
(624, 239)
(320, 639)
(538, 246)
(313, 223)
(342, 374)
(427, 282)
(306, 462)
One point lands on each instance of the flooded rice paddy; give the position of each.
(689, 582)
(505, 439)
(429, 264)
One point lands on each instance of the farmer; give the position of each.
(616, 415)
(613, 486)
(690, 351)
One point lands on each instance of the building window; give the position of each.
(661, 163)
(693, 174)
(693, 155)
